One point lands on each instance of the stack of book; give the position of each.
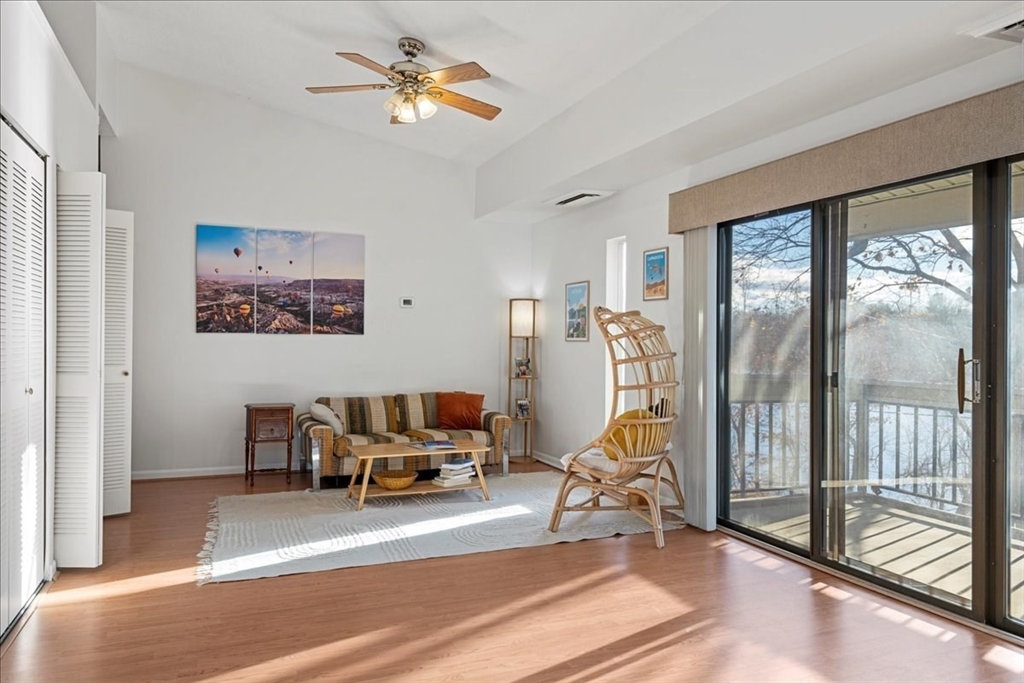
(458, 472)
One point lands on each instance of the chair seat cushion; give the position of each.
(594, 458)
(597, 460)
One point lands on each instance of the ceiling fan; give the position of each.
(417, 88)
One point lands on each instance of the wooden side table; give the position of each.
(267, 423)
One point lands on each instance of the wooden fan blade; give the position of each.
(320, 90)
(466, 104)
(368, 63)
(470, 71)
(394, 120)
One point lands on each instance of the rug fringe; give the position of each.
(204, 572)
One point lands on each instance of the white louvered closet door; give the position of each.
(22, 373)
(78, 497)
(117, 359)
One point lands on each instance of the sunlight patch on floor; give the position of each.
(1005, 658)
(117, 589)
(894, 616)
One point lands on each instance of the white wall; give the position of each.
(74, 24)
(40, 92)
(570, 397)
(571, 389)
(185, 155)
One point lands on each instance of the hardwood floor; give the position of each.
(705, 608)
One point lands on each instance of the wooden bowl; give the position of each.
(394, 480)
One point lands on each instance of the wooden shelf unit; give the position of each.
(522, 343)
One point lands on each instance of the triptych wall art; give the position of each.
(259, 281)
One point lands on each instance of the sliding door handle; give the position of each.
(962, 396)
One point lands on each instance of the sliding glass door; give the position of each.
(1014, 517)
(898, 483)
(768, 469)
(871, 372)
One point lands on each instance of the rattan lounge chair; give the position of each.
(644, 383)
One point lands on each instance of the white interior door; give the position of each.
(22, 373)
(78, 497)
(117, 359)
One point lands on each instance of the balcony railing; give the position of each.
(911, 446)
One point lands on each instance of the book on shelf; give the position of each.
(453, 474)
(433, 445)
(452, 481)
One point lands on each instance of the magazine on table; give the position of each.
(433, 445)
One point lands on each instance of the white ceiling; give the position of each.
(595, 94)
(543, 56)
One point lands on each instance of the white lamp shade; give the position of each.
(523, 317)
(425, 106)
(393, 104)
(407, 112)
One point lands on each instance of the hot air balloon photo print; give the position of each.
(338, 264)
(278, 281)
(577, 311)
(284, 273)
(225, 284)
(656, 274)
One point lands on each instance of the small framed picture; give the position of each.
(523, 367)
(577, 311)
(523, 409)
(656, 274)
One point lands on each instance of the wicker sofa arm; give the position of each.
(311, 429)
(497, 424)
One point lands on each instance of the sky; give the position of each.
(575, 295)
(284, 255)
(340, 257)
(651, 273)
(215, 249)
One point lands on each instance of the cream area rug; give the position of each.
(273, 534)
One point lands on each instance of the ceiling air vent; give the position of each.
(579, 198)
(1014, 32)
(1005, 25)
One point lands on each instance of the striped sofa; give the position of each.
(393, 419)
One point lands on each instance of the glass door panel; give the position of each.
(898, 484)
(768, 368)
(1015, 423)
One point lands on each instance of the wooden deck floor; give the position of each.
(707, 607)
(903, 540)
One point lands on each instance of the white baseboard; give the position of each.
(548, 460)
(139, 475)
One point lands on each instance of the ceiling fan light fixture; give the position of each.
(407, 111)
(425, 106)
(393, 104)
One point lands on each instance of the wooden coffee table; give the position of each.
(365, 455)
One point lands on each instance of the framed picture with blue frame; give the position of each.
(656, 274)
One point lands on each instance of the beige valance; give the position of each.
(988, 126)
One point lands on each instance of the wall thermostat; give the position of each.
(406, 302)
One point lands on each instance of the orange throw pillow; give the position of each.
(459, 410)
